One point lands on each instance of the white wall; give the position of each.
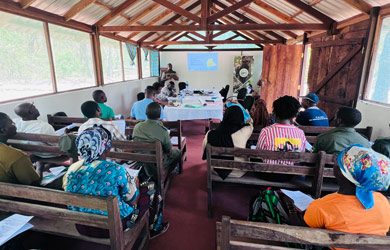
(120, 98)
(209, 79)
(377, 116)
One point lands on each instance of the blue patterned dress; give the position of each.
(101, 178)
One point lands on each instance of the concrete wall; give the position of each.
(210, 79)
(120, 97)
(377, 116)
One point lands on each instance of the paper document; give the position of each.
(300, 199)
(132, 172)
(13, 226)
(121, 125)
(52, 175)
(61, 131)
(308, 147)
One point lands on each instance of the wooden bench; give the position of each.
(52, 216)
(312, 165)
(246, 235)
(175, 127)
(129, 153)
(311, 132)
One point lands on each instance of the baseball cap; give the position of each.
(311, 97)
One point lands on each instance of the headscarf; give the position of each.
(245, 113)
(92, 143)
(367, 169)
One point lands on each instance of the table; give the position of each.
(191, 108)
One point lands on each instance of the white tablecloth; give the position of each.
(212, 110)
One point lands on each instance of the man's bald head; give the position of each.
(27, 111)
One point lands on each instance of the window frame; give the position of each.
(96, 59)
(374, 55)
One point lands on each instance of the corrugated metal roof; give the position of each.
(335, 9)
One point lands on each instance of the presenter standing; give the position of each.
(169, 75)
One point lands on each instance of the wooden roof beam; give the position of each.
(115, 12)
(179, 10)
(229, 10)
(275, 12)
(26, 3)
(205, 8)
(77, 8)
(141, 15)
(171, 20)
(215, 42)
(359, 5)
(313, 12)
(212, 27)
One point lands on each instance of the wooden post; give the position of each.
(97, 60)
(318, 178)
(115, 224)
(139, 60)
(225, 233)
(368, 53)
(51, 58)
(123, 66)
(209, 182)
(160, 169)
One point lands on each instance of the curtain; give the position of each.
(132, 50)
(155, 71)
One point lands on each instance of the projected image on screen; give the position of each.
(202, 61)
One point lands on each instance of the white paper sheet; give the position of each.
(121, 125)
(52, 175)
(308, 147)
(61, 131)
(300, 199)
(12, 226)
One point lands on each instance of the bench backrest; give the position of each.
(311, 132)
(242, 235)
(29, 200)
(312, 164)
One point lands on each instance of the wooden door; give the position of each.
(281, 72)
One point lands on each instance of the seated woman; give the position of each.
(356, 207)
(260, 115)
(95, 176)
(231, 132)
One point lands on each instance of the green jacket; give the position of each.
(337, 139)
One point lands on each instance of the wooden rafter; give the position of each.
(159, 18)
(360, 5)
(179, 10)
(115, 12)
(198, 35)
(275, 12)
(205, 12)
(171, 20)
(264, 19)
(26, 3)
(141, 15)
(248, 20)
(212, 27)
(229, 10)
(215, 42)
(311, 11)
(77, 8)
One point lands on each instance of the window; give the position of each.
(111, 60)
(378, 88)
(130, 62)
(73, 59)
(24, 61)
(145, 58)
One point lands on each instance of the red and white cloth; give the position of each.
(281, 137)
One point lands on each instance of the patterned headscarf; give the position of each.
(92, 143)
(367, 169)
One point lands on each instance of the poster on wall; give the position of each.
(243, 72)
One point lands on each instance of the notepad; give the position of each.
(300, 199)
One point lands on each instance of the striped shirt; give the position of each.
(281, 137)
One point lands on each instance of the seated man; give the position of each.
(160, 98)
(138, 111)
(169, 90)
(15, 165)
(100, 98)
(344, 135)
(29, 123)
(92, 111)
(356, 207)
(151, 130)
(312, 116)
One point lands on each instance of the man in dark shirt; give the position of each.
(312, 116)
(344, 135)
(169, 75)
